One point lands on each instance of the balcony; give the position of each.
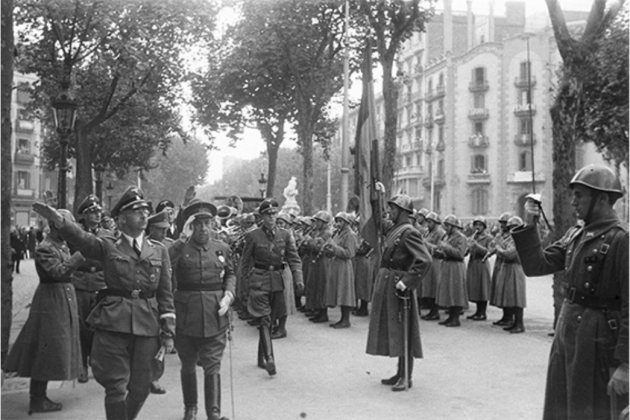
(524, 177)
(523, 82)
(418, 68)
(522, 110)
(478, 141)
(439, 117)
(478, 86)
(24, 126)
(478, 177)
(25, 158)
(476, 114)
(429, 96)
(440, 91)
(524, 139)
(23, 192)
(428, 122)
(409, 170)
(438, 182)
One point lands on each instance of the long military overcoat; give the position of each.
(340, 289)
(451, 289)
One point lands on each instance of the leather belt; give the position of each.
(130, 294)
(212, 287)
(51, 281)
(90, 269)
(269, 267)
(575, 296)
(452, 259)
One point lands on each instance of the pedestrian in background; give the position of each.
(588, 362)
(17, 248)
(48, 346)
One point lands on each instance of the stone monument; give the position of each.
(290, 203)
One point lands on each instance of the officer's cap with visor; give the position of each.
(90, 203)
(132, 199)
(268, 206)
(200, 210)
(159, 220)
(164, 204)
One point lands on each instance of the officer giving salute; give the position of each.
(266, 251)
(205, 290)
(588, 363)
(136, 313)
(405, 262)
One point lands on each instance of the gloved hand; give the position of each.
(168, 343)
(168, 327)
(619, 381)
(225, 303)
(532, 212)
(299, 288)
(401, 286)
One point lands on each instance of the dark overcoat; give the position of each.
(478, 271)
(585, 347)
(340, 289)
(430, 282)
(405, 258)
(452, 285)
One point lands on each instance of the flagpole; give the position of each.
(346, 107)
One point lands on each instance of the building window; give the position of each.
(480, 100)
(436, 201)
(23, 93)
(407, 161)
(524, 97)
(440, 168)
(526, 126)
(440, 134)
(441, 106)
(479, 202)
(478, 129)
(525, 70)
(479, 164)
(23, 180)
(525, 161)
(480, 76)
(430, 86)
(24, 146)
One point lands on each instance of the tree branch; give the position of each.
(566, 44)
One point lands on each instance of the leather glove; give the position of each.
(401, 286)
(299, 288)
(168, 327)
(619, 381)
(168, 343)
(225, 302)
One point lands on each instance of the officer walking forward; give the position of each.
(137, 310)
(405, 262)
(589, 355)
(205, 290)
(266, 251)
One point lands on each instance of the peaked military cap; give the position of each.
(159, 220)
(164, 204)
(90, 202)
(269, 205)
(200, 209)
(132, 199)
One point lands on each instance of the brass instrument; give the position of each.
(324, 245)
(471, 241)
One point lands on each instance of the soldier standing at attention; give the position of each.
(205, 290)
(478, 271)
(137, 311)
(589, 354)
(430, 282)
(405, 262)
(319, 269)
(266, 250)
(498, 275)
(89, 277)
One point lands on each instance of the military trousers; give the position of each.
(266, 305)
(206, 352)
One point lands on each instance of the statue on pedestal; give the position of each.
(290, 204)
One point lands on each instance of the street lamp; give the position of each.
(65, 114)
(109, 189)
(262, 181)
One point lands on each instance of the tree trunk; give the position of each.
(390, 96)
(83, 154)
(7, 169)
(306, 142)
(273, 144)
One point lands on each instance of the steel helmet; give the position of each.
(423, 212)
(514, 221)
(403, 201)
(283, 215)
(344, 216)
(434, 217)
(504, 217)
(598, 177)
(452, 220)
(481, 220)
(324, 216)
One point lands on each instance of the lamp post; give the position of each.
(109, 189)
(64, 113)
(262, 181)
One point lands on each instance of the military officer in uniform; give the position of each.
(267, 250)
(169, 207)
(136, 313)
(89, 277)
(405, 262)
(205, 289)
(589, 354)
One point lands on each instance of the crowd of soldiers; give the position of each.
(117, 298)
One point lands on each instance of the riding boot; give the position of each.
(265, 337)
(281, 330)
(261, 355)
(133, 407)
(115, 410)
(39, 401)
(519, 327)
(189, 391)
(400, 384)
(212, 391)
(394, 379)
(434, 313)
(454, 312)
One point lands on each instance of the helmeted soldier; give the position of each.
(404, 263)
(319, 269)
(266, 252)
(498, 277)
(205, 290)
(478, 278)
(590, 344)
(89, 277)
(430, 283)
(137, 311)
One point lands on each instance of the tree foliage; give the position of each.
(125, 60)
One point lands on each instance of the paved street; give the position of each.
(474, 372)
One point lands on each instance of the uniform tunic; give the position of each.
(478, 278)
(430, 283)
(512, 292)
(595, 261)
(452, 285)
(319, 270)
(126, 322)
(405, 258)
(48, 347)
(263, 260)
(340, 287)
